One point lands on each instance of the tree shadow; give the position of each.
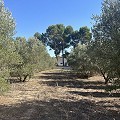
(75, 84)
(57, 110)
(13, 80)
(56, 76)
(96, 94)
(65, 83)
(69, 80)
(57, 73)
(109, 105)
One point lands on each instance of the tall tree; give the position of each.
(82, 36)
(58, 38)
(8, 56)
(7, 29)
(85, 35)
(104, 50)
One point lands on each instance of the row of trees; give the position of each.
(19, 57)
(33, 58)
(102, 54)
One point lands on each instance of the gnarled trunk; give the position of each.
(106, 78)
(25, 77)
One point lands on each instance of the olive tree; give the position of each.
(80, 61)
(104, 50)
(34, 58)
(8, 56)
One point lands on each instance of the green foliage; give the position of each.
(80, 61)
(82, 36)
(34, 58)
(38, 55)
(7, 27)
(38, 35)
(19, 58)
(58, 37)
(8, 56)
(4, 86)
(104, 51)
(102, 54)
(7, 23)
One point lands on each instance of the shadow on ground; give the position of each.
(70, 80)
(96, 94)
(57, 110)
(56, 76)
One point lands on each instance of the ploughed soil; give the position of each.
(59, 95)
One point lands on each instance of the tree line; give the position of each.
(59, 37)
(102, 53)
(19, 57)
(94, 51)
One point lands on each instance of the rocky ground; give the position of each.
(58, 95)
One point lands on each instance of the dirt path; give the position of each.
(57, 95)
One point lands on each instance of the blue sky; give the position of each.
(36, 15)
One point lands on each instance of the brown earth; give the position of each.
(58, 95)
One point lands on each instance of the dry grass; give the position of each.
(58, 95)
